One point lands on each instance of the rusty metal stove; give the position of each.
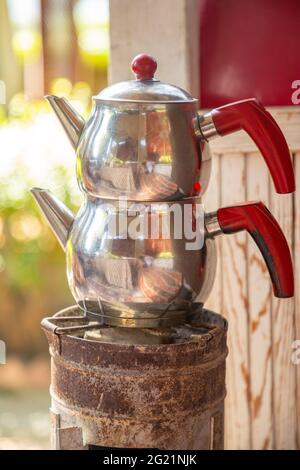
(136, 388)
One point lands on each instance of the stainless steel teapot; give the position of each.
(152, 278)
(147, 141)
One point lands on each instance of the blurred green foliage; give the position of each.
(32, 265)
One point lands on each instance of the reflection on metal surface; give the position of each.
(212, 224)
(150, 277)
(143, 152)
(142, 141)
(142, 272)
(207, 126)
(125, 335)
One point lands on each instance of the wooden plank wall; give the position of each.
(263, 400)
(297, 285)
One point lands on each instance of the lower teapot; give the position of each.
(150, 264)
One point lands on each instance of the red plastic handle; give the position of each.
(266, 232)
(253, 118)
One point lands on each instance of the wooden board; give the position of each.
(259, 311)
(234, 281)
(283, 335)
(297, 285)
(275, 405)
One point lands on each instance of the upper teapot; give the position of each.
(147, 141)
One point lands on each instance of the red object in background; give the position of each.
(253, 118)
(249, 48)
(266, 232)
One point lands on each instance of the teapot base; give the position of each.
(141, 315)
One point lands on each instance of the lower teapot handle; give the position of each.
(267, 234)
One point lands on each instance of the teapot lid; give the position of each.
(145, 88)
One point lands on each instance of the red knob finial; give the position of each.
(144, 66)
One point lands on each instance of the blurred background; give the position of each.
(61, 47)
(46, 46)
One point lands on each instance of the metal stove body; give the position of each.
(137, 388)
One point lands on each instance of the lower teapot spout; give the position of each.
(59, 217)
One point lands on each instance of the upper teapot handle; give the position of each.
(249, 115)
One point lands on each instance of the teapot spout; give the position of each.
(58, 216)
(71, 121)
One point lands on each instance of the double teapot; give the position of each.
(142, 154)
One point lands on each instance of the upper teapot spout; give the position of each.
(71, 121)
